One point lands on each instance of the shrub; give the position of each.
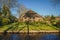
(5, 21)
(58, 24)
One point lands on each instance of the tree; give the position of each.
(0, 17)
(58, 24)
(47, 18)
(7, 16)
(53, 20)
(9, 3)
(53, 17)
(21, 9)
(13, 19)
(6, 11)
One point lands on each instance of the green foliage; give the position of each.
(12, 19)
(5, 21)
(9, 3)
(0, 22)
(52, 17)
(6, 11)
(47, 18)
(58, 24)
(5, 16)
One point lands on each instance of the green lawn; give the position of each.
(23, 27)
(4, 28)
(38, 28)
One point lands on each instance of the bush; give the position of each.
(58, 24)
(5, 21)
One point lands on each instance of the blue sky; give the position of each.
(42, 7)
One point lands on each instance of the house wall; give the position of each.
(31, 19)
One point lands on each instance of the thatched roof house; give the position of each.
(30, 15)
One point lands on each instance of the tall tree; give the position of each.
(21, 9)
(9, 3)
(6, 11)
(7, 17)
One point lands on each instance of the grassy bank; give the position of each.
(23, 27)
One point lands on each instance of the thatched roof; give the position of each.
(31, 14)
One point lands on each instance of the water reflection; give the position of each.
(1, 37)
(49, 37)
(28, 37)
(14, 37)
(39, 36)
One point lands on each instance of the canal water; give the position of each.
(30, 36)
